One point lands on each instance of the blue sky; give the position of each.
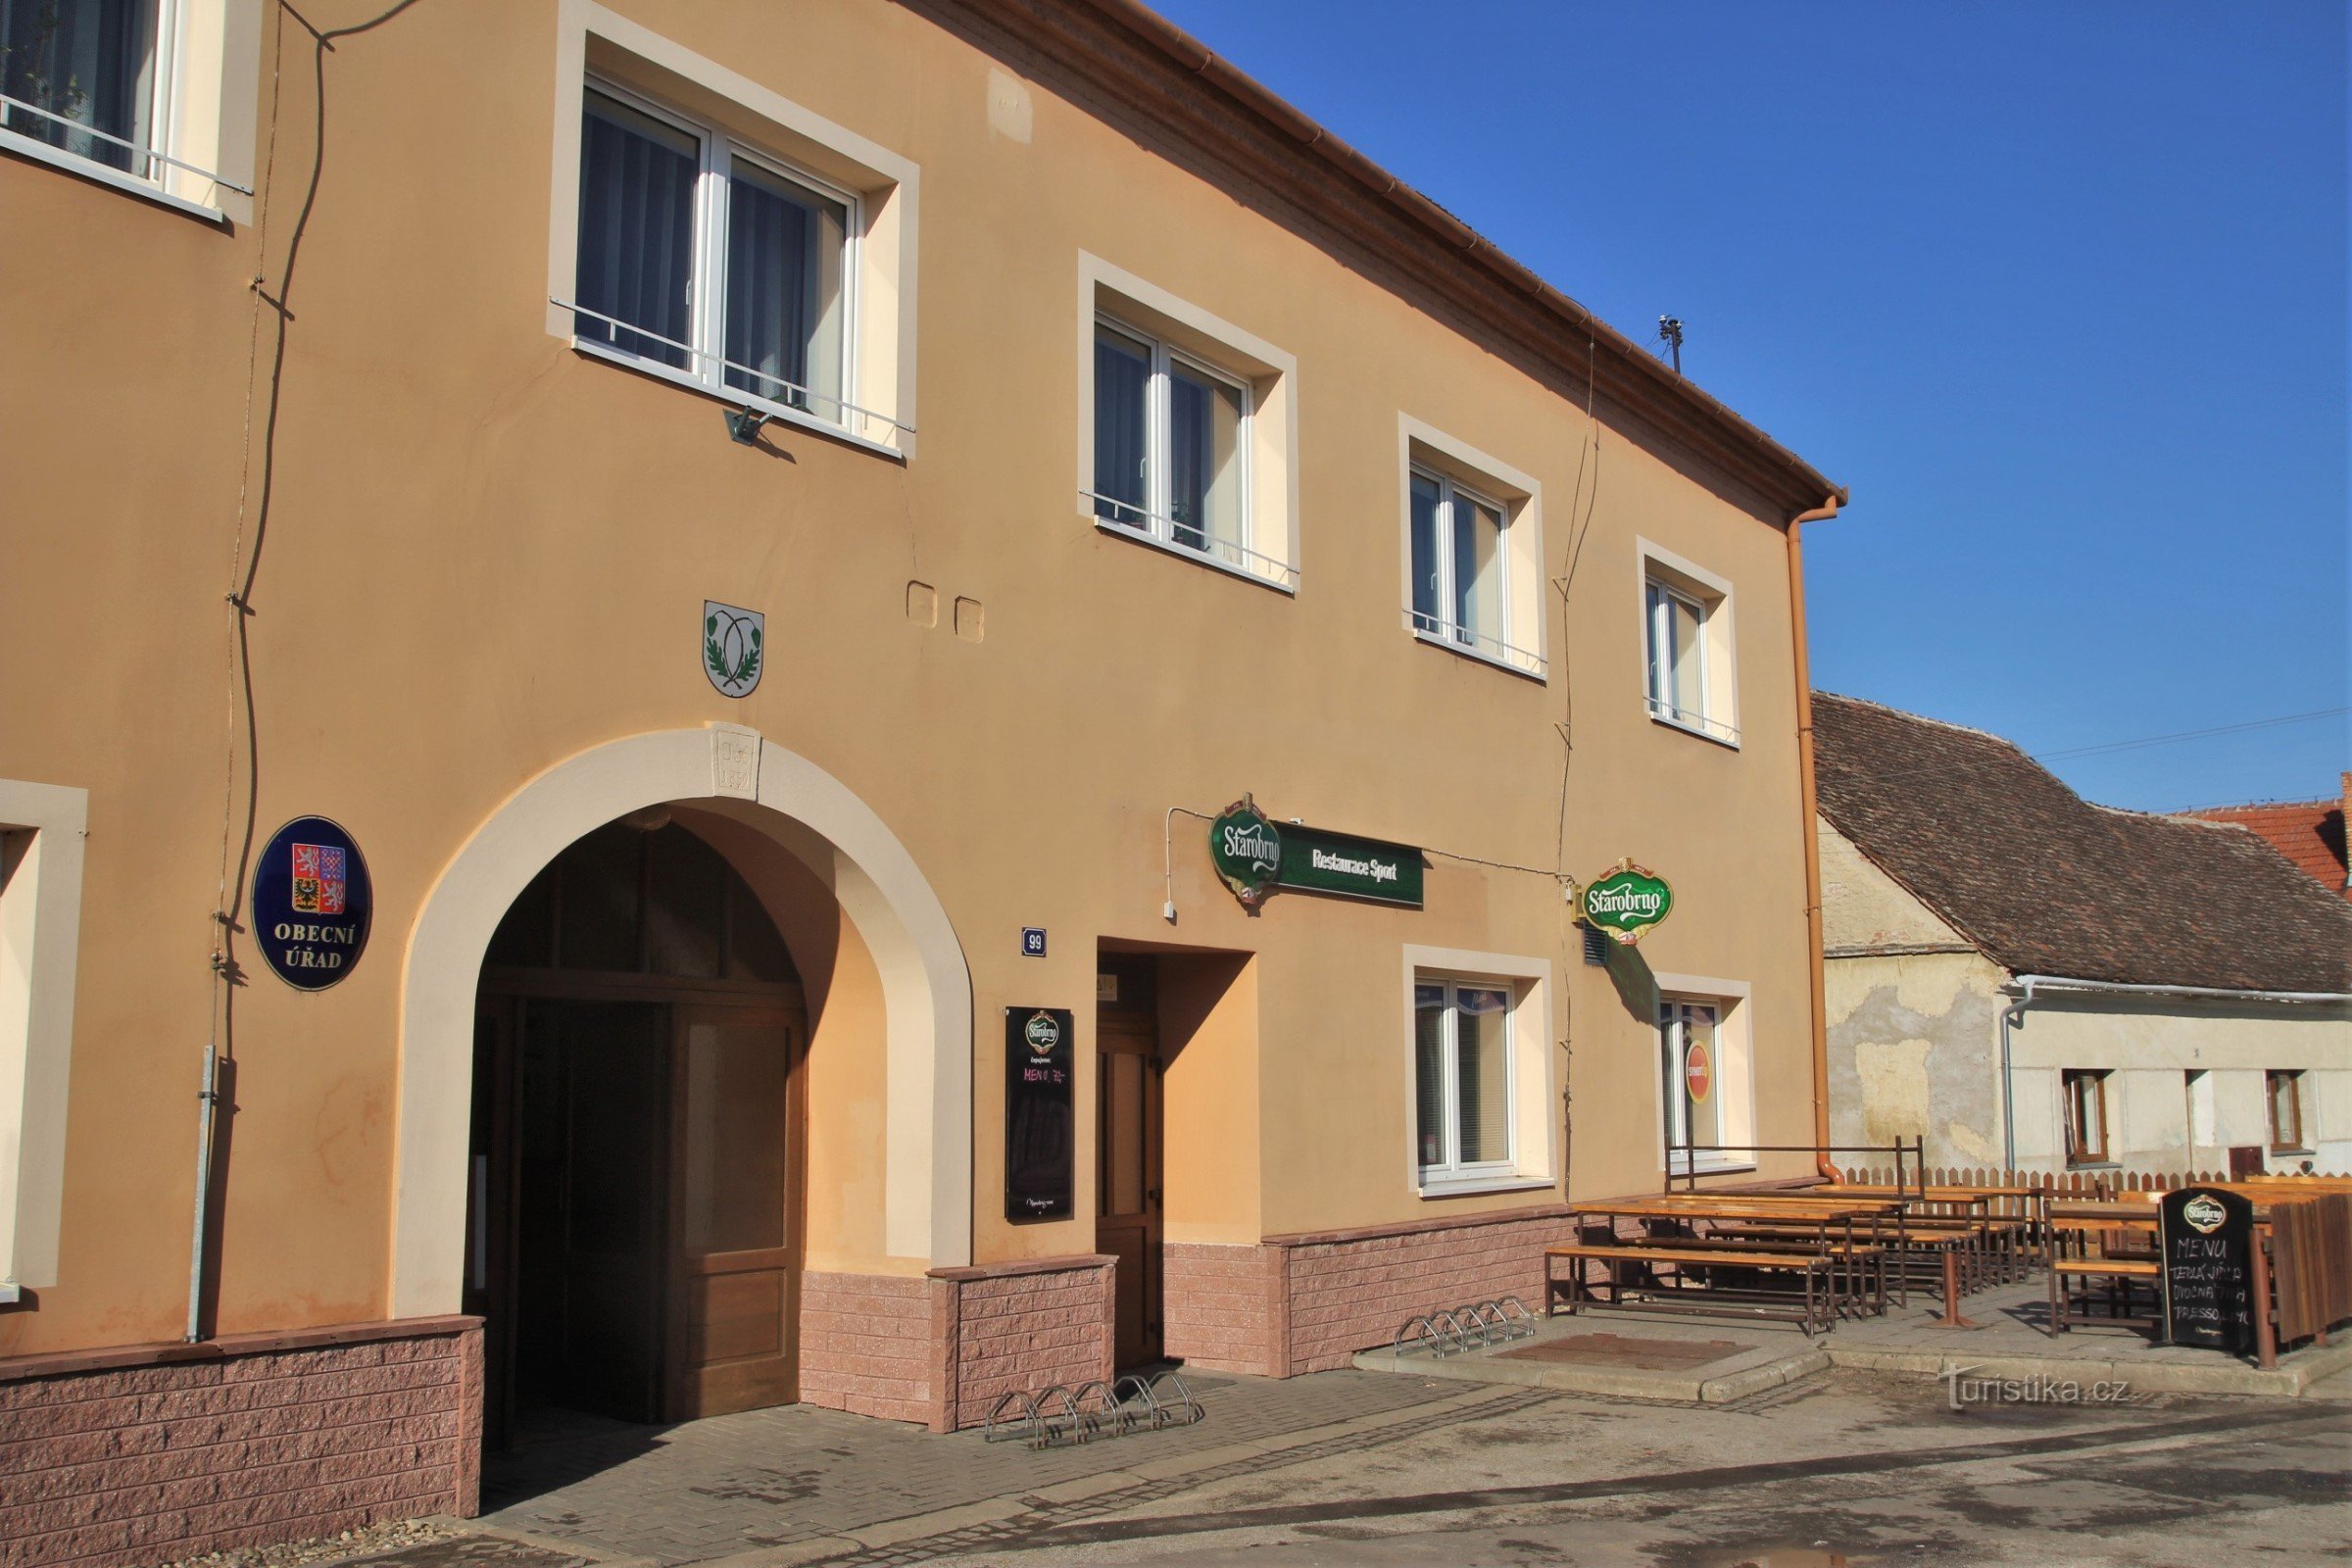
(2057, 290)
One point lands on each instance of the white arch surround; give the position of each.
(926, 987)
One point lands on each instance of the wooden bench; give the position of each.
(1861, 1273)
(1694, 1293)
(2118, 1272)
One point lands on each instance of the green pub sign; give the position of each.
(1625, 902)
(1254, 857)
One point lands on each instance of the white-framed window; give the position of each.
(1461, 572)
(1706, 1075)
(708, 258)
(1463, 1105)
(41, 828)
(1171, 445)
(1187, 429)
(1473, 552)
(112, 90)
(1687, 674)
(1690, 1055)
(708, 232)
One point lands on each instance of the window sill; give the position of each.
(1727, 1167)
(2094, 1164)
(778, 412)
(1466, 1186)
(1198, 557)
(1729, 742)
(1437, 639)
(41, 151)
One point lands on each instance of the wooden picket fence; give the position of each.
(2310, 1237)
(2089, 1186)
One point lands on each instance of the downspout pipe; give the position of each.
(1808, 806)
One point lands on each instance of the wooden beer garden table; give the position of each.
(1826, 1226)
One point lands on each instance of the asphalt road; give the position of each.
(1847, 1471)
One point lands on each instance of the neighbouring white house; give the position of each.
(2032, 982)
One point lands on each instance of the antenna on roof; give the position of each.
(1670, 333)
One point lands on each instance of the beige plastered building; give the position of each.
(1130, 445)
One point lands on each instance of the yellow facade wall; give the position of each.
(479, 552)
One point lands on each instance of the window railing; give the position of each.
(1433, 628)
(732, 393)
(1188, 539)
(79, 128)
(1716, 728)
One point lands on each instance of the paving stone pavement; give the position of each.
(798, 1476)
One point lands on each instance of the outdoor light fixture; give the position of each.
(745, 425)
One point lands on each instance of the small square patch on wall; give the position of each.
(922, 604)
(971, 620)
(734, 762)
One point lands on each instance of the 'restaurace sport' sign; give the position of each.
(1625, 902)
(1254, 857)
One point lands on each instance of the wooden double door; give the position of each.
(636, 1227)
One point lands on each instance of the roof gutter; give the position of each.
(2025, 985)
(1810, 806)
(1190, 54)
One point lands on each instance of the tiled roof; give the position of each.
(2310, 833)
(2044, 882)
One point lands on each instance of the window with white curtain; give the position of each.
(1688, 676)
(1462, 1075)
(80, 75)
(1461, 572)
(1171, 446)
(712, 262)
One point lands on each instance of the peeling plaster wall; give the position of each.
(1914, 1044)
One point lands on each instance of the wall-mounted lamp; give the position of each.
(744, 424)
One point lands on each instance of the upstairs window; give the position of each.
(704, 257)
(1462, 574)
(1688, 680)
(79, 76)
(1171, 446)
(1473, 550)
(1462, 1077)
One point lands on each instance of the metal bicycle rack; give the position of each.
(1465, 1328)
(1067, 1413)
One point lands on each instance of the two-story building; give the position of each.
(717, 703)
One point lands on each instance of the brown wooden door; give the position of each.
(734, 1208)
(1127, 1200)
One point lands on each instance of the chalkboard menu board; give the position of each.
(1039, 1139)
(2207, 1268)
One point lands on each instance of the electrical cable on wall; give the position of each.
(245, 564)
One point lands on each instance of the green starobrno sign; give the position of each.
(1253, 856)
(1625, 902)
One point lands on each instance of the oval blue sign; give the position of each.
(312, 902)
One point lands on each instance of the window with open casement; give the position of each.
(2283, 1092)
(2083, 1097)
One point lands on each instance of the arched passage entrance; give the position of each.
(796, 809)
(639, 1093)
